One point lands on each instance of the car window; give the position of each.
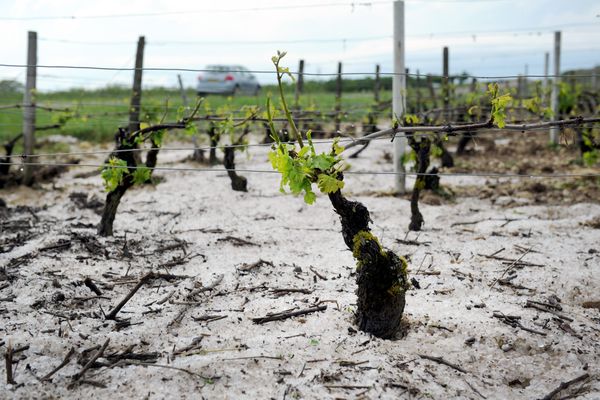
(239, 70)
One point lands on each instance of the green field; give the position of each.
(95, 115)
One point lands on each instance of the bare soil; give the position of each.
(504, 304)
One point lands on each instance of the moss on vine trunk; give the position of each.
(381, 275)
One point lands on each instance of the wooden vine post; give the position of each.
(446, 84)
(555, 88)
(299, 85)
(431, 91)
(136, 93)
(399, 96)
(418, 92)
(124, 142)
(473, 87)
(338, 99)
(525, 82)
(545, 81)
(376, 85)
(29, 108)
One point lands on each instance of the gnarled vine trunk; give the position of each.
(421, 149)
(8, 147)
(268, 138)
(152, 156)
(466, 137)
(446, 158)
(113, 198)
(214, 140)
(381, 275)
(238, 183)
(585, 140)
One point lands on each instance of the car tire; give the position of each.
(256, 90)
(235, 91)
(201, 94)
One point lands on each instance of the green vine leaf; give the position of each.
(62, 118)
(473, 110)
(499, 104)
(329, 184)
(591, 157)
(411, 119)
(157, 137)
(113, 173)
(191, 128)
(310, 197)
(141, 175)
(302, 167)
(337, 149)
(322, 161)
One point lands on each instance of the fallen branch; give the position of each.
(115, 311)
(284, 291)
(287, 314)
(539, 307)
(213, 285)
(92, 286)
(8, 358)
(253, 357)
(58, 246)
(63, 364)
(209, 318)
(412, 242)
(510, 267)
(314, 271)
(236, 241)
(77, 377)
(440, 360)
(565, 385)
(515, 322)
(143, 364)
(247, 267)
(351, 387)
(512, 260)
(191, 296)
(556, 306)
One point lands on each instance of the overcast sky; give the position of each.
(486, 37)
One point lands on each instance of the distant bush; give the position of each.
(11, 87)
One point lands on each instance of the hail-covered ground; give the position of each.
(504, 304)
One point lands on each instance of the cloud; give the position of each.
(170, 37)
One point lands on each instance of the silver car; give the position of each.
(227, 79)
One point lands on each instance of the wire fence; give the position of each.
(341, 140)
(271, 171)
(313, 74)
(315, 117)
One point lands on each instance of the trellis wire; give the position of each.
(265, 171)
(82, 67)
(342, 140)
